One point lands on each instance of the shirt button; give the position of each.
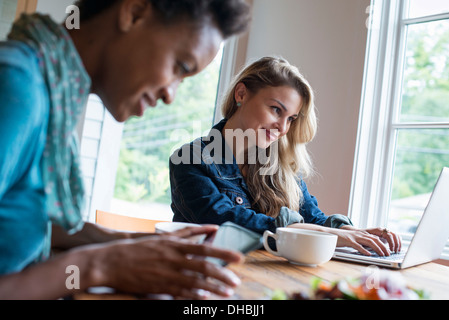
(239, 200)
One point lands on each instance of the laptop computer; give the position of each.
(429, 240)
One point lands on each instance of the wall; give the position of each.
(326, 39)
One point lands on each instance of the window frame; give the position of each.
(378, 120)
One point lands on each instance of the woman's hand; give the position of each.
(93, 233)
(154, 264)
(382, 241)
(166, 265)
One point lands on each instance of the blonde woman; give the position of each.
(251, 168)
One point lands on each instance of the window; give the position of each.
(403, 138)
(142, 185)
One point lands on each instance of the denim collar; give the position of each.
(225, 168)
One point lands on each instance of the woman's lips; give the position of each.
(145, 103)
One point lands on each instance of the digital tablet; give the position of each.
(234, 237)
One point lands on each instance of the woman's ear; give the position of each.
(132, 13)
(240, 92)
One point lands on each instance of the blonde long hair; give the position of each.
(272, 191)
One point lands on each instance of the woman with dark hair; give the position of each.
(130, 53)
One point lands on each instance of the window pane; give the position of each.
(425, 95)
(142, 184)
(419, 8)
(420, 156)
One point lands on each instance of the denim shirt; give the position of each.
(207, 191)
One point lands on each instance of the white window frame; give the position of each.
(234, 58)
(375, 148)
(100, 149)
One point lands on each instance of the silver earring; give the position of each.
(239, 104)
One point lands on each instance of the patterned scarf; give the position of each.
(68, 86)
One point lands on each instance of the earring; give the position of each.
(239, 104)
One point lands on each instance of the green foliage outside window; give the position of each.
(421, 153)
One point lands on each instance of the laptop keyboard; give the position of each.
(391, 257)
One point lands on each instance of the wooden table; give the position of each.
(263, 272)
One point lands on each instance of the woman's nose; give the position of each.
(282, 126)
(168, 93)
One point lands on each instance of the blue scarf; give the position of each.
(68, 86)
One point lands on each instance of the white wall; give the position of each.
(326, 39)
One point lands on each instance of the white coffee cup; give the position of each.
(163, 227)
(300, 246)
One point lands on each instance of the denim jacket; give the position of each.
(208, 188)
